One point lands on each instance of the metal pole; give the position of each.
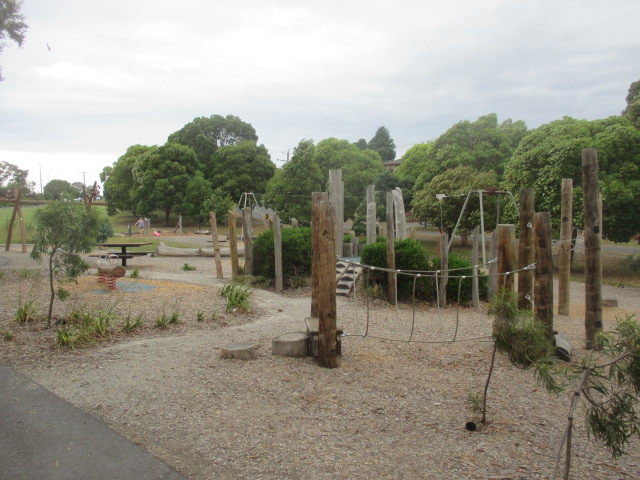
(466, 200)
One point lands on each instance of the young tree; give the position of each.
(64, 230)
(11, 24)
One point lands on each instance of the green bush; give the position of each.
(296, 254)
(104, 230)
(461, 267)
(410, 255)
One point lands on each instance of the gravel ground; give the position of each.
(391, 410)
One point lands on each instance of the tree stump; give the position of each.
(239, 351)
(294, 344)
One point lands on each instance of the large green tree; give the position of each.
(553, 151)
(206, 134)
(289, 191)
(456, 184)
(12, 24)
(239, 168)
(359, 169)
(162, 176)
(383, 144)
(485, 145)
(632, 110)
(58, 189)
(119, 183)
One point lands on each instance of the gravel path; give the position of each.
(391, 410)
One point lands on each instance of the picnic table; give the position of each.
(124, 255)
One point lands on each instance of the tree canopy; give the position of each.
(383, 144)
(58, 189)
(12, 176)
(632, 110)
(553, 151)
(206, 134)
(12, 24)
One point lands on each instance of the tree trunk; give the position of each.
(53, 290)
(166, 216)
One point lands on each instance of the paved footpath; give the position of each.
(44, 437)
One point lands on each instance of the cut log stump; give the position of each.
(239, 351)
(294, 344)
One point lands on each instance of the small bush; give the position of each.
(296, 254)
(459, 267)
(187, 268)
(26, 312)
(130, 326)
(104, 230)
(237, 297)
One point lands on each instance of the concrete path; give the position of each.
(44, 437)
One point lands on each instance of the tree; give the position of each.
(553, 151)
(632, 110)
(58, 190)
(455, 184)
(383, 144)
(161, 176)
(359, 169)
(119, 183)
(63, 231)
(484, 145)
(198, 191)
(239, 168)
(206, 134)
(362, 144)
(11, 24)
(289, 190)
(12, 176)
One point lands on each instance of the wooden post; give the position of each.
(317, 198)
(17, 212)
(371, 214)
(392, 287)
(564, 257)
(506, 248)
(216, 244)
(444, 268)
(526, 248)
(475, 294)
(233, 244)
(277, 249)
(543, 278)
(336, 196)
(324, 272)
(401, 222)
(492, 286)
(247, 222)
(592, 245)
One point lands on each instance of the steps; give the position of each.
(346, 276)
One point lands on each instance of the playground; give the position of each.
(391, 409)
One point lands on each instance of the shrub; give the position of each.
(237, 297)
(410, 255)
(104, 230)
(460, 266)
(296, 254)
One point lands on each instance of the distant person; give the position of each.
(140, 224)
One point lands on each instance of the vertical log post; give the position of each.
(506, 250)
(564, 257)
(392, 287)
(401, 221)
(526, 248)
(324, 269)
(592, 260)
(444, 270)
(543, 278)
(277, 249)
(317, 198)
(475, 295)
(247, 223)
(336, 196)
(371, 214)
(216, 244)
(233, 243)
(492, 286)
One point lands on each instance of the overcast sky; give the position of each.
(126, 72)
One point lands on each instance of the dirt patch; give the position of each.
(392, 409)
